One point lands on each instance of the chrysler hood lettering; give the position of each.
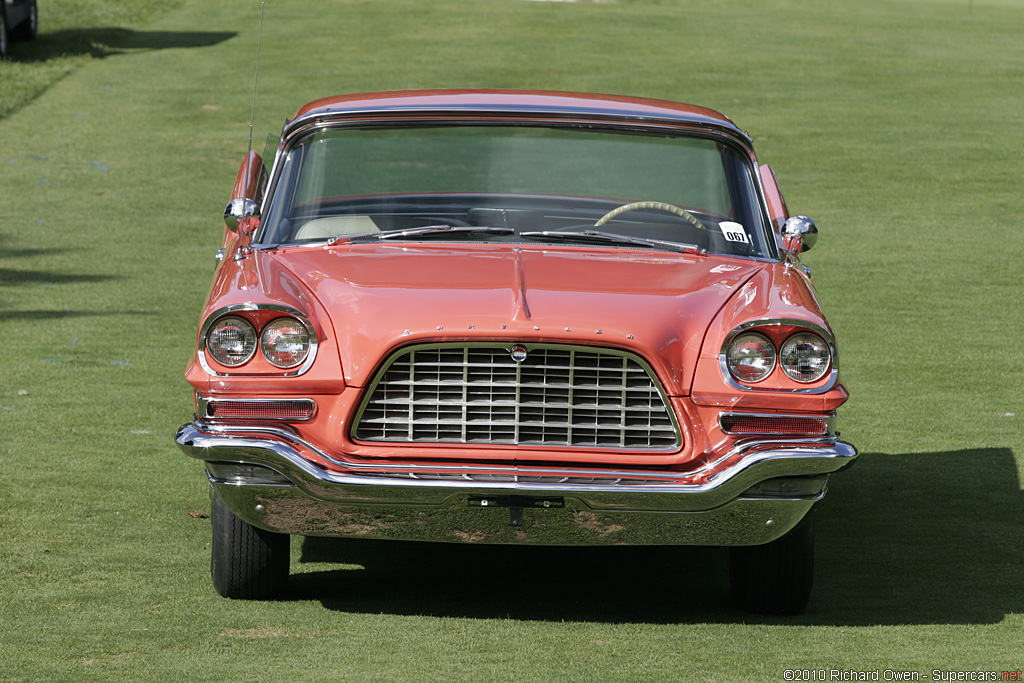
(381, 296)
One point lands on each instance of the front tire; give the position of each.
(246, 562)
(775, 578)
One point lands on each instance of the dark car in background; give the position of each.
(19, 20)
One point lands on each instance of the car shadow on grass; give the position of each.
(923, 538)
(11, 277)
(16, 278)
(101, 42)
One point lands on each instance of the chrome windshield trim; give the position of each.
(722, 132)
(441, 116)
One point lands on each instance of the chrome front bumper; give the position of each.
(751, 495)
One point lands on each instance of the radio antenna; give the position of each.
(252, 112)
(252, 116)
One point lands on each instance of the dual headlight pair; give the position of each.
(284, 342)
(751, 357)
(805, 357)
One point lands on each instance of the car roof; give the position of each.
(475, 102)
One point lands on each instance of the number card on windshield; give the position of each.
(734, 232)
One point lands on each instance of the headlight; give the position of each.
(285, 343)
(805, 357)
(231, 341)
(751, 357)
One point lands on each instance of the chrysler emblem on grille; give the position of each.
(519, 353)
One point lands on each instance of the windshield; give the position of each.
(531, 182)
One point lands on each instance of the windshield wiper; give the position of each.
(422, 231)
(600, 236)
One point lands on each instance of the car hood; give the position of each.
(379, 297)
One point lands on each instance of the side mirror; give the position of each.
(799, 233)
(250, 182)
(238, 210)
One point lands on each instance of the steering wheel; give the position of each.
(661, 206)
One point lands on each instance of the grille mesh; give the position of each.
(558, 396)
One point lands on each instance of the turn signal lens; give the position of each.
(285, 343)
(751, 357)
(805, 357)
(231, 341)
(784, 425)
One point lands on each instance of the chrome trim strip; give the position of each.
(376, 468)
(723, 363)
(235, 308)
(757, 461)
(544, 118)
(771, 243)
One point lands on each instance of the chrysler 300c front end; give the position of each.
(515, 317)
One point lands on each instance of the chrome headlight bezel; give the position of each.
(805, 357)
(751, 357)
(231, 341)
(781, 329)
(273, 334)
(255, 312)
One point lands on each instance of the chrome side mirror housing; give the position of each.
(238, 210)
(799, 233)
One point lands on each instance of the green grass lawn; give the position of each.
(896, 124)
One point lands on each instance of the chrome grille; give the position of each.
(558, 396)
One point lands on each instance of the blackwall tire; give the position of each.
(246, 562)
(775, 578)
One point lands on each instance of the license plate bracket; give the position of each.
(516, 505)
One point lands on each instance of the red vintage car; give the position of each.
(515, 317)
